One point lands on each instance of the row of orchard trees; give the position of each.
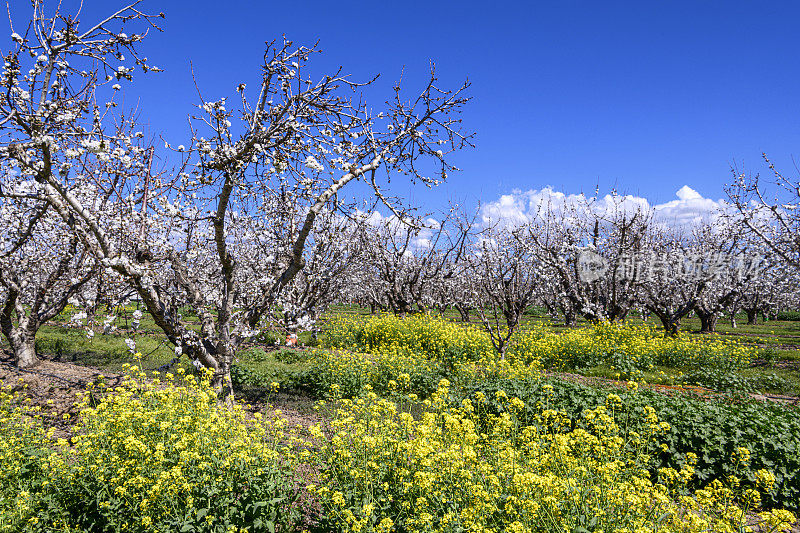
(593, 258)
(250, 219)
(246, 223)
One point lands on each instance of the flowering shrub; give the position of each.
(148, 456)
(630, 349)
(431, 337)
(386, 470)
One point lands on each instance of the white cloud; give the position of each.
(519, 207)
(421, 238)
(690, 208)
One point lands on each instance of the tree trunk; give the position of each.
(21, 336)
(464, 312)
(23, 345)
(733, 320)
(222, 382)
(671, 326)
(752, 317)
(617, 315)
(501, 348)
(570, 318)
(708, 322)
(401, 307)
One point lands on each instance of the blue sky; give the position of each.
(644, 97)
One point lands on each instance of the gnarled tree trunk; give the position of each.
(708, 322)
(671, 326)
(24, 347)
(463, 311)
(21, 338)
(570, 317)
(21, 335)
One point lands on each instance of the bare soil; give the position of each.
(55, 386)
(669, 389)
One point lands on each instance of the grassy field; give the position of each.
(775, 371)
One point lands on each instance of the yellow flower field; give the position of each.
(444, 470)
(627, 349)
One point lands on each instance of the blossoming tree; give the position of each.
(586, 247)
(770, 213)
(42, 267)
(409, 257)
(505, 279)
(298, 140)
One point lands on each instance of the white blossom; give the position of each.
(313, 164)
(131, 344)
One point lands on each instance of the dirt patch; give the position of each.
(54, 387)
(694, 390)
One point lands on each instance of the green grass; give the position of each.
(283, 366)
(104, 351)
(786, 354)
(261, 363)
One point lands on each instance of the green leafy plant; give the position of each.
(711, 428)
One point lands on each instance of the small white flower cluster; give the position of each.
(108, 325)
(95, 147)
(131, 344)
(137, 318)
(305, 322)
(313, 164)
(77, 319)
(248, 333)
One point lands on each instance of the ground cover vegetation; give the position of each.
(708, 427)
(164, 456)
